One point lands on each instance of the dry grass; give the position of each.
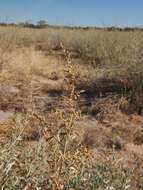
(70, 115)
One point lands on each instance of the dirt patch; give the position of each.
(5, 116)
(134, 149)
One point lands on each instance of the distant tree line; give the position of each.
(44, 24)
(39, 24)
(27, 24)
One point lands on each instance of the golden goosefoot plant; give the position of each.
(69, 161)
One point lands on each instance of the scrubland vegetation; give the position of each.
(71, 107)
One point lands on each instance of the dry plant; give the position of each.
(7, 44)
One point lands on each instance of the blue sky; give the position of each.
(74, 12)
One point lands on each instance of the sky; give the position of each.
(74, 12)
